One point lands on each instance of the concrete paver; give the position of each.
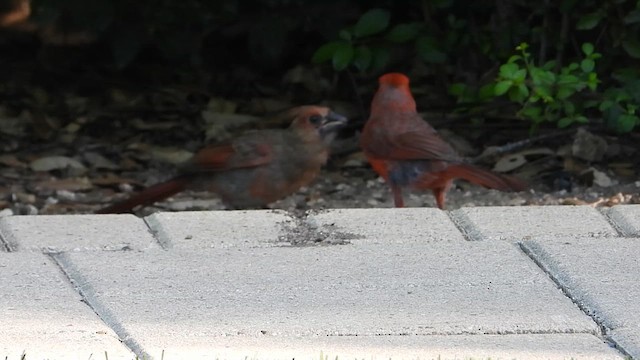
(626, 218)
(75, 233)
(602, 276)
(435, 347)
(522, 223)
(204, 297)
(220, 229)
(404, 225)
(629, 339)
(42, 316)
(405, 284)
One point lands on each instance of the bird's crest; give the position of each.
(394, 79)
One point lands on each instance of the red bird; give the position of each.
(256, 168)
(408, 153)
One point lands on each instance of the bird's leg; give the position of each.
(440, 193)
(397, 196)
(440, 196)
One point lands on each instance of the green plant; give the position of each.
(548, 93)
(367, 45)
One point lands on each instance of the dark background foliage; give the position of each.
(451, 48)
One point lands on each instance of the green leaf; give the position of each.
(544, 92)
(587, 48)
(404, 32)
(342, 56)
(428, 51)
(502, 87)
(508, 71)
(514, 58)
(632, 47)
(372, 22)
(518, 93)
(589, 21)
(569, 108)
(487, 92)
(325, 52)
(605, 105)
(520, 75)
(626, 123)
(458, 89)
(587, 65)
(565, 122)
(532, 112)
(581, 119)
(362, 58)
(565, 92)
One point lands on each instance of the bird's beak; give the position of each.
(329, 126)
(333, 121)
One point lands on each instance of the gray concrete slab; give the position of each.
(406, 225)
(194, 301)
(522, 223)
(626, 218)
(220, 229)
(629, 339)
(436, 347)
(75, 233)
(42, 316)
(600, 274)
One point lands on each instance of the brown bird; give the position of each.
(408, 153)
(256, 168)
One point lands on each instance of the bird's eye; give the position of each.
(315, 119)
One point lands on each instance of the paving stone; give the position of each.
(405, 225)
(75, 233)
(458, 347)
(44, 317)
(629, 339)
(600, 274)
(195, 300)
(626, 218)
(220, 229)
(522, 223)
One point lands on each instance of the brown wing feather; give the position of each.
(239, 154)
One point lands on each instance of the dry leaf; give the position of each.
(49, 163)
(69, 184)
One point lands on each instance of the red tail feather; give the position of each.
(486, 178)
(147, 196)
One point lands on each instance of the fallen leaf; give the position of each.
(69, 184)
(11, 161)
(172, 155)
(154, 125)
(97, 161)
(513, 161)
(49, 163)
(219, 125)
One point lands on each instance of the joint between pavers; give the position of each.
(464, 225)
(5, 243)
(87, 293)
(620, 225)
(604, 330)
(164, 243)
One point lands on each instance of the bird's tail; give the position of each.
(147, 196)
(486, 178)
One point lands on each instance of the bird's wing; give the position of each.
(241, 153)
